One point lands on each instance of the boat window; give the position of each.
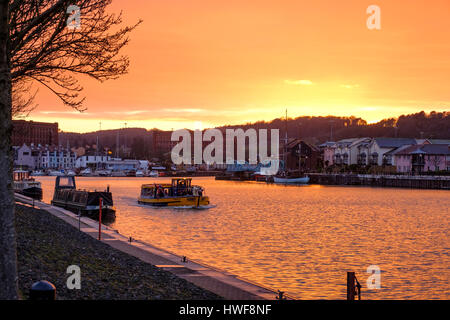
(146, 192)
(66, 182)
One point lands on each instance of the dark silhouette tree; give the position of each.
(37, 45)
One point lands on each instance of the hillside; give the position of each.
(139, 141)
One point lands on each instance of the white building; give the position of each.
(365, 151)
(342, 151)
(380, 150)
(39, 157)
(23, 157)
(87, 161)
(56, 158)
(122, 165)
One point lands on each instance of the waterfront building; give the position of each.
(327, 151)
(302, 156)
(23, 157)
(361, 151)
(92, 161)
(55, 158)
(425, 157)
(44, 157)
(122, 165)
(380, 150)
(346, 151)
(31, 132)
(365, 151)
(342, 152)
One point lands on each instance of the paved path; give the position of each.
(222, 283)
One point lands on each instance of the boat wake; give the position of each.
(204, 207)
(209, 206)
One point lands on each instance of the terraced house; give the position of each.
(425, 157)
(44, 157)
(387, 152)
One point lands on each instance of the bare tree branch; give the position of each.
(45, 50)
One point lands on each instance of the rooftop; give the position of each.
(394, 142)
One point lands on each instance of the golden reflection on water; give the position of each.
(300, 239)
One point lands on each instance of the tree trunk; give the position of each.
(8, 259)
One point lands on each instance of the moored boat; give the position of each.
(24, 184)
(130, 173)
(179, 193)
(140, 173)
(84, 202)
(103, 173)
(153, 173)
(118, 174)
(86, 172)
(38, 173)
(297, 180)
(56, 173)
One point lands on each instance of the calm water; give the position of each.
(300, 239)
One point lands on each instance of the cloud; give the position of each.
(189, 110)
(132, 112)
(299, 82)
(56, 113)
(349, 86)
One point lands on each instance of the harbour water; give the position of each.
(299, 239)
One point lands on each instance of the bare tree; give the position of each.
(23, 98)
(36, 45)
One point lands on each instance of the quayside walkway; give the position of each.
(222, 283)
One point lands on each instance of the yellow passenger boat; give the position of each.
(179, 193)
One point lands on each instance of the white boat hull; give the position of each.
(302, 180)
(56, 173)
(38, 173)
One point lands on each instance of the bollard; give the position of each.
(350, 286)
(280, 295)
(42, 290)
(353, 286)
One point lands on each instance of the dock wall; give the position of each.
(395, 181)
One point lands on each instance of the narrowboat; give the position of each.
(83, 202)
(179, 193)
(24, 184)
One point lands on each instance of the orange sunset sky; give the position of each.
(204, 63)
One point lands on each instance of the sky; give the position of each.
(204, 63)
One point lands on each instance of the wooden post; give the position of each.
(350, 286)
(100, 219)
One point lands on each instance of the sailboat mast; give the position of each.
(285, 144)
